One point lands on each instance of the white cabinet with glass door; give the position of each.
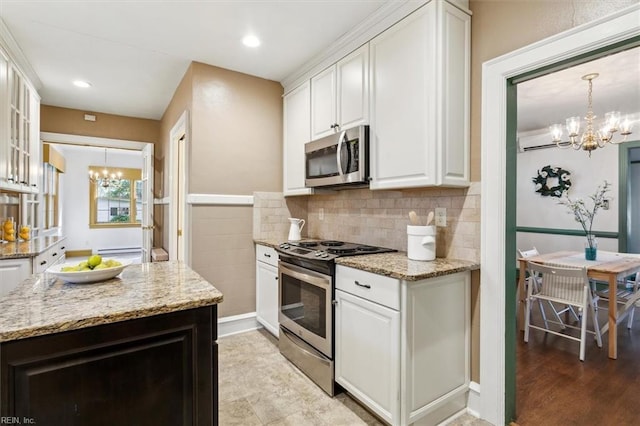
(297, 127)
(20, 169)
(340, 95)
(419, 133)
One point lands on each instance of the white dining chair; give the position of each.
(564, 286)
(534, 280)
(627, 296)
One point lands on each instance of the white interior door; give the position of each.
(178, 139)
(147, 202)
(633, 202)
(181, 198)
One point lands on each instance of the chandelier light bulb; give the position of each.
(573, 126)
(556, 132)
(592, 138)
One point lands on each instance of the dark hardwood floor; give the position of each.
(555, 388)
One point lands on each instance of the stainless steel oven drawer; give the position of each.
(310, 361)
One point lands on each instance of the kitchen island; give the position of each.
(136, 349)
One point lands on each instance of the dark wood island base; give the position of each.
(158, 370)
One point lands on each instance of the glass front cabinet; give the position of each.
(20, 152)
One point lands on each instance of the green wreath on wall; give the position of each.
(564, 182)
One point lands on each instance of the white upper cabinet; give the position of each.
(419, 133)
(20, 126)
(297, 132)
(340, 95)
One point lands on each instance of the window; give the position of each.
(50, 196)
(117, 205)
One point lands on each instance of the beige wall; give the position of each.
(236, 133)
(223, 253)
(71, 121)
(235, 147)
(499, 27)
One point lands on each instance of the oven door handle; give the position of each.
(339, 151)
(318, 280)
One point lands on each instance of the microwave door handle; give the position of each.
(338, 151)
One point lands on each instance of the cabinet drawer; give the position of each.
(376, 288)
(267, 255)
(41, 262)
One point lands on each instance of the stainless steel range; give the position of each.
(306, 273)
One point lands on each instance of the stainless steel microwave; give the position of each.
(337, 160)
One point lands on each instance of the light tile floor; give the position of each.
(258, 386)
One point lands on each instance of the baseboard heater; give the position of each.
(119, 250)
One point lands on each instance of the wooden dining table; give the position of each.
(608, 267)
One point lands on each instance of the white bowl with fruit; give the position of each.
(92, 270)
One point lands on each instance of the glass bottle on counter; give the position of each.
(9, 230)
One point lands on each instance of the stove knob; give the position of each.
(318, 253)
(324, 255)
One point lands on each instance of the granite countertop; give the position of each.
(44, 304)
(268, 243)
(29, 248)
(398, 265)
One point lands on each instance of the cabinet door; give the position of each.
(12, 273)
(403, 134)
(4, 122)
(35, 147)
(323, 103)
(368, 354)
(353, 89)
(297, 132)
(267, 296)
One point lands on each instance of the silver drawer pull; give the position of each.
(362, 285)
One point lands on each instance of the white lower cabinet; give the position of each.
(368, 353)
(408, 361)
(12, 273)
(267, 288)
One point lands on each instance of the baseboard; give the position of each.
(473, 403)
(235, 324)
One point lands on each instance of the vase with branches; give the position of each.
(585, 214)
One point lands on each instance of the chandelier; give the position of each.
(106, 179)
(592, 139)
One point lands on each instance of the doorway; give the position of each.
(135, 149)
(178, 212)
(630, 217)
(497, 348)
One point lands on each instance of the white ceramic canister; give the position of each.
(421, 242)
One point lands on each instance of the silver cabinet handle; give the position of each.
(338, 151)
(362, 285)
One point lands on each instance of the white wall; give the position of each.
(535, 210)
(74, 193)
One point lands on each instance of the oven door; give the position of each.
(304, 305)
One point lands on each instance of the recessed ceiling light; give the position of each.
(251, 41)
(83, 84)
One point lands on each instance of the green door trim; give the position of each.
(570, 232)
(623, 192)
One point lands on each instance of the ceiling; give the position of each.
(134, 53)
(554, 97)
